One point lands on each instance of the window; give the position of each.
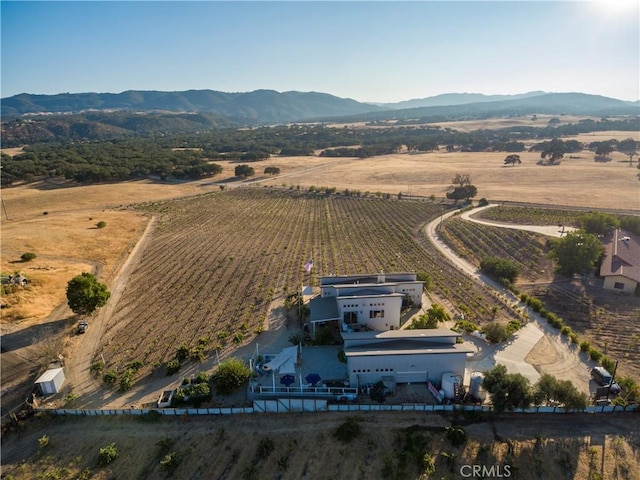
(350, 318)
(618, 285)
(376, 314)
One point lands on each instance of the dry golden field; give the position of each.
(579, 181)
(67, 230)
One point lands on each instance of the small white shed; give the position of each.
(51, 381)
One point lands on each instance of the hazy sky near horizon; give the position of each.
(378, 51)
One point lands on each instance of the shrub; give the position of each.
(456, 435)
(608, 363)
(265, 447)
(101, 224)
(96, 367)
(231, 375)
(107, 454)
(170, 462)
(574, 337)
(182, 353)
(499, 269)
(43, 441)
(126, 381)
(238, 338)
(28, 256)
(566, 331)
(428, 464)
(584, 346)
(466, 326)
(595, 354)
(109, 377)
(173, 367)
(513, 326)
(496, 332)
(348, 431)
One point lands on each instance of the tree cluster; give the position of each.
(577, 252)
(512, 390)
(500, 269)
(102, 162)
(462, 188)
(434, 315)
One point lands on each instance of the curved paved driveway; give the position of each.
(512, 354)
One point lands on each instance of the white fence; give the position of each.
(285, 405)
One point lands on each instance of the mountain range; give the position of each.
(263, 107)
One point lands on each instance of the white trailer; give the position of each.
(51, 381)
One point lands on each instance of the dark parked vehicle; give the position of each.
(603, 378)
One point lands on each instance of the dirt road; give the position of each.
(78, 366)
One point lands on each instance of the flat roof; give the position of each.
(323, 309)
(401, 334)
(369, 293)
(48, 375)
(405, 348)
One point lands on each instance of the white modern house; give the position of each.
(366, 310)
(403, 356)
(365, 302)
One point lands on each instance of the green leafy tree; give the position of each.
(28, 256)
(272, 170)
(499, 268)
(629, 147)
(434, 315)
(577, 252)
(85, 294)
(465, 192)
(550, 390)
(598, 223)
(508, 390)
(231, 375)
(512, 160)
(244, 171)
(496, 332)
(553, 150)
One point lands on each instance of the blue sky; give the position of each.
(369, 51)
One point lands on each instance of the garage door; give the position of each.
(412, 377)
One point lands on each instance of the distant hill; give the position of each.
(546, 103)
(455, 99)
(257, 107)
(103, 115)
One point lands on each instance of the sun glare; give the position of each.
(611, 8)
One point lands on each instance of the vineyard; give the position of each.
(474, 242)
(608, 321)
(216, 261)
(532, 216)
